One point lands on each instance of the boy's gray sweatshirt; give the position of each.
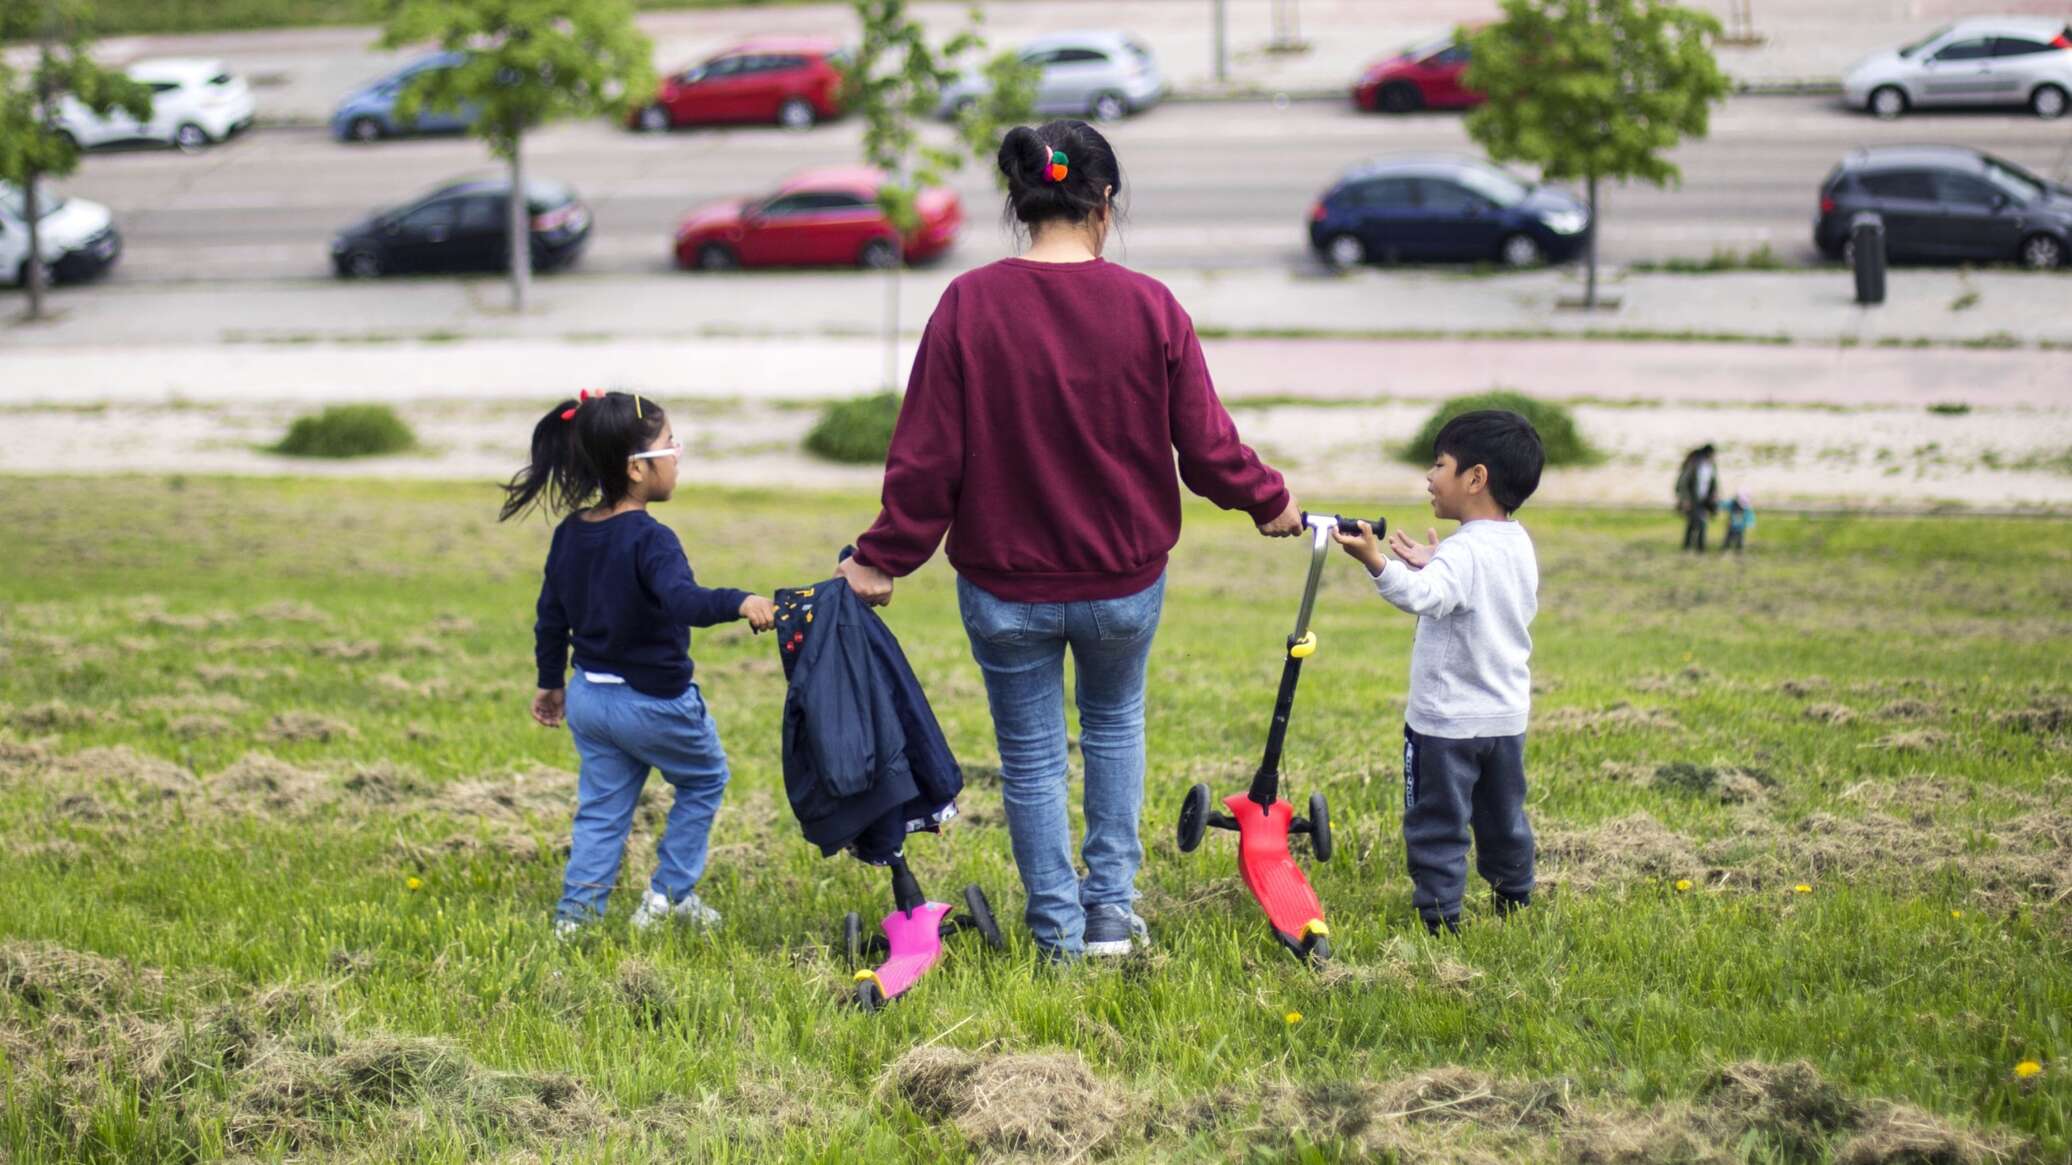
(1469, 671)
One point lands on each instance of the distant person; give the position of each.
(1740, 520)
(1697, 495)
(618, 587)
(1052, 398)
(1475, 596)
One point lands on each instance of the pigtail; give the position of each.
(552, 474)
(579, 452)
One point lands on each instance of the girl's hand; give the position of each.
(1364, 547)
(760, 612)
(549, 706)
(1414, 556)
(868, 583)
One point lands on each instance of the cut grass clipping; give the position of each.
(856, 432)
(1557, 427)
(347, 431)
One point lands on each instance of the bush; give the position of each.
(1564, 445)
(347, 431)
(855, 431)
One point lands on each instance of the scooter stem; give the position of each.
(1266, 783)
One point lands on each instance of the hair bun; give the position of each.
(1022, 155)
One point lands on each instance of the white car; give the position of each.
(1103, 75)
(76, 238)
(193, 104)
(2011, 60)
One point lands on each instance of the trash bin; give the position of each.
(1867, 257)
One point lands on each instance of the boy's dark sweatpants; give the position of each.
(1450, 789)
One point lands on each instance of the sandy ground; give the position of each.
(1887, 456)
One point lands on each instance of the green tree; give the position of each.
(1594, 89)
(528, 62)
(32, 145)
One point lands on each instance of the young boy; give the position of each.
(1470, 685)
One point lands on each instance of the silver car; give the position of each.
(2010, 60)
(1103, 75)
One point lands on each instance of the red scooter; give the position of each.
(1262, 820)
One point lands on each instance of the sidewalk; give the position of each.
(299, 74)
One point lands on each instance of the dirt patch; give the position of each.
(259, 783)
(510, 798)
(645, 992)
(230, 673)
(221, 703)
(1405, 964)
(1628, 849)
(1834, 714)
(1900, 1134)
(1912, 740)
(1909, 709)
(1616, 717)
(1731, 786)
(2038, 720)
(123, 772)
(57, 716)
(211, 621)
(295, 727)
(1803, 686)
(53, 978)
(292, 611)
(1045, 1105)
(346, 649)
(198, 726)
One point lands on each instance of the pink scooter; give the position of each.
(913, 938)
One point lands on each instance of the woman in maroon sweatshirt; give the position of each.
(1048, 401)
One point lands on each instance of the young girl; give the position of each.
(617, 585)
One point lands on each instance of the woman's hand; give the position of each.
(1287, 525)
(549, 706)
(760, 612)
(868, 583)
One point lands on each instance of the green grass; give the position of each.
(346, 431)
(1872, 708)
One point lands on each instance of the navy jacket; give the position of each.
(861, 747)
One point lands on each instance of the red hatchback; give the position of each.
(825, 218)
(1425, 77)
(793, 82)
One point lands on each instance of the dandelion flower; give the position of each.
(2027, 1069)
(1956, 914)
(413, 882)
(1292, 1018)
(1802, 888)
(1682, 884)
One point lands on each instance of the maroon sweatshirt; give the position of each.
(1039, 429)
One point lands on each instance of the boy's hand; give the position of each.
(868, 583)
(1414, 556)
(760, 612)
(1364, 547)
(549, 706)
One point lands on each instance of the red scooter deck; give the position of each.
(1275, 880)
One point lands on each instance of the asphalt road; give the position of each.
(1209, 185)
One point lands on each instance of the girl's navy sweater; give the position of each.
(622, 592)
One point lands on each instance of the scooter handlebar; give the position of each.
(1346, 525)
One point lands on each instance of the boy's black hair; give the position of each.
(1503, 443)
(1090, 170)
(580, 450)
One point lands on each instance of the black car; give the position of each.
(1946, 203)
(461, 227)
(1444, 208)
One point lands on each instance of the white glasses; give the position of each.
(673, 449)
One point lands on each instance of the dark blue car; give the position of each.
(368, 114)
(1442, 208)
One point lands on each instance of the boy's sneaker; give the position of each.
(1451, 922)
(567, 929)
(654, 907)
(1112, 931)
(1509, 904)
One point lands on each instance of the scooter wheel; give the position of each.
(852, 938)
(1319, 951)
(868, 997)
(981, 912)
(1194, 818)
(1319, 827)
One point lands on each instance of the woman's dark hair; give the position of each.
(1090, 169)
(584, 455)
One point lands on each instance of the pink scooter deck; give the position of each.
(915, 943)
(1275, 880)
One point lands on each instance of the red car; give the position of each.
(825, 218)
(1425, 77)
(792, 81)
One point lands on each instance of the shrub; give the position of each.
(1557, 427)
(857, 431)
(347, 431)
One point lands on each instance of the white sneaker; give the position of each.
(566, 929)
(654, 907)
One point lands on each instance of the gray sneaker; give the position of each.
(1112, 930)
(656, 907)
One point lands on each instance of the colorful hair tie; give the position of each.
(1059, 166)
(582, 395)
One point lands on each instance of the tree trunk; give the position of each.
(519, 227)
(32, 267)
(1590, 281)
(892, 327)
(1222, 41)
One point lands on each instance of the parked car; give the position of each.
(193, 104)
(827, 218)
(2011, 60)
(77, 239)
(1423, 76)
(368, 113)
(1446, 208)
(792, 81)
(1103, 75)
(461, 227)
(1947, 203)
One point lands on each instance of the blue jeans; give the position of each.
(1020, 648)
(620, 734)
